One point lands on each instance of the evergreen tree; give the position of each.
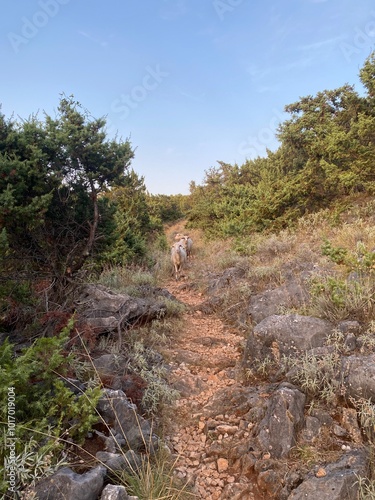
(52, 176)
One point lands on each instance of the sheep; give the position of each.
(186, 242)
(189, 247)
(178, 257)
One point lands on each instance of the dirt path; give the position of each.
(208, 426)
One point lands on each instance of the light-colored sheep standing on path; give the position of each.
(189, 247)
(186, 242)
(178, 257)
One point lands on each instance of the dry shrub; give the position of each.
(275, 245)
(336, 299)
(348, 236)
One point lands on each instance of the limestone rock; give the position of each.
(68, 485)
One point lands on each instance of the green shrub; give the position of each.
(336, 254)
(337, 299)
(46, 410)
(315, 375)
(361, 260)
(158, 392)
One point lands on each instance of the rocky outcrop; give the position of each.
(116, 463)
(115, 492)
(336, 481)
(106, 311)
(127, 435)
(277, 432)
(68, 485)
(288, 335)
(270, 302)
(358, 376)
(245, 439)
(122, 418)
(256, 432)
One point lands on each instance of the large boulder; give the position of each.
(270, 302)
(336, 481)
(358, 376)
(121, 416)
(286, 335)
(107, 311)
(118, 462)
(277, 432)
(66, 484)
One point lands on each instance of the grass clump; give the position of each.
(125, 279)
(261, 368)
(154, 479)
(367, 339)
(366, 416)
(366, 488)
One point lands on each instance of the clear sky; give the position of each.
(190, 82)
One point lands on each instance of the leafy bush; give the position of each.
(47, 411)
(337, 299)
(158, 391)
(315, 375)
(337, 255)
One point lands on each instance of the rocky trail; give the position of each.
(208, 426)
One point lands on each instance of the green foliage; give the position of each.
(132, 225)
(315, 375)
(326, 152)
(361, 259)
(353, 294)
(33, 462)
(52, 174)
(46, 409)
(158, 391)
(69, 203)
(164, 208)
(336, 299)
(336, 254)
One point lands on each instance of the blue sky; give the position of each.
(191, 82)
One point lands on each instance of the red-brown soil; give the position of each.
(204, 360)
